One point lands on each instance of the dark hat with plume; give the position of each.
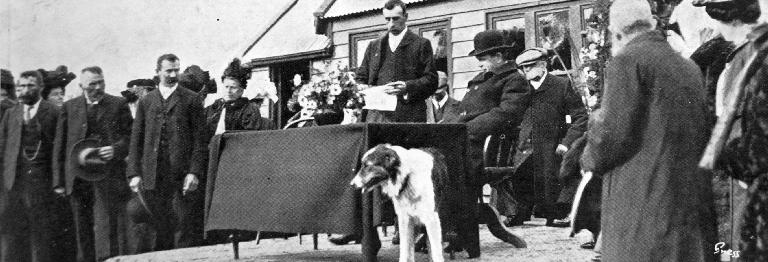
(236, 71)
(58, 78)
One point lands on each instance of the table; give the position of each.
(297, 180)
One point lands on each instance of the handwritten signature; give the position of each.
(727, 252)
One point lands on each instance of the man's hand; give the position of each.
(190, 183)
(134, 184)
(395, 88)
(561, 149)
(107, 152)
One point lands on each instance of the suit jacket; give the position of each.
(115, 118)
(10, 139)
(186, 144)
(495, 101)
(417, 70)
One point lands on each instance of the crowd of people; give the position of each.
(98, 175)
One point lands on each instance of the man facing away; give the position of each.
(97, 206)
(646, 143)
(165, 159)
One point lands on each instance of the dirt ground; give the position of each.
(544, 244)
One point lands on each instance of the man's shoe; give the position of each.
(513, 221)
(588, 245)
(343, 240)
(565, 222)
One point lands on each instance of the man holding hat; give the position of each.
(554, 104)
(495, 101)
(89, 151)
(645, 142)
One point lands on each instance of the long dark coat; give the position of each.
(656, 205)
(545, 127)
(495, 102)
(416, 67)
(186, 149)
(241, 115)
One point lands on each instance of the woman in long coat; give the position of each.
(656, 204)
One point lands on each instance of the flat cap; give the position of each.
(530, 56)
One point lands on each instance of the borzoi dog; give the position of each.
(412, 178)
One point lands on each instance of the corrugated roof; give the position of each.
(349, 7)
(292, 35)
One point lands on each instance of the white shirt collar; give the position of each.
(165, 91)
(33, 110)
(537, 84)
(439, 103)
(88, 100)
(394, 40)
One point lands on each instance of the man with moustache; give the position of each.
(27, 131)
(403, 61)
(546, 127)
(166, 157)
(645, 143)
(97, 206)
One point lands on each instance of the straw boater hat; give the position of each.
(85, 159)
(490, 41)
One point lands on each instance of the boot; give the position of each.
(343, 240)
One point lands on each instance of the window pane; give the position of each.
(513, 23)
(552, 33)
(361, 46)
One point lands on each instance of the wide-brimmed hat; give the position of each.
(489, 41)
(85, 160)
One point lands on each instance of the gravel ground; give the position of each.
(544, 244)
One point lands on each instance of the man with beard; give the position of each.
(166, 157)
(97, 206)
(27, 131)
(137, 89)
(546, 127)
(645, 144)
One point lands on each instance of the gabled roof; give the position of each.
(292, 37)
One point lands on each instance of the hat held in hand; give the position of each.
(85, 159)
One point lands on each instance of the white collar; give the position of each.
(165, 91)
(394, 40)
(89, 102)
(537, 84)
(33, 110)
(440, 103)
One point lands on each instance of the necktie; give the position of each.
(28, 115)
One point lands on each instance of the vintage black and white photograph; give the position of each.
(383, 130)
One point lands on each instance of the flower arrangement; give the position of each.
(333, 90)
(594, 55)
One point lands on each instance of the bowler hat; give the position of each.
(85, 160)
(489, 41)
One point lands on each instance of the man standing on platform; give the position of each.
(441, 99)
(403, 61)
(97, 206)
(26, 139)
(550, 133)
(165, 159)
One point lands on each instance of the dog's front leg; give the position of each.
(406, 238)
(435, 234)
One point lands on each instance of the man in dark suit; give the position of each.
(440, 100)
(165, 157)
(554, 120)
(494, 103)
(26, 139)
(403, 61)
(97, 206)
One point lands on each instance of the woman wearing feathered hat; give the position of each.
(233, 111)
(55, 84)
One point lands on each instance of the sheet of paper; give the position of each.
(377, 99)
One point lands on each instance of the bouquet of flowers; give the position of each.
(593, 58)
(332, 91)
